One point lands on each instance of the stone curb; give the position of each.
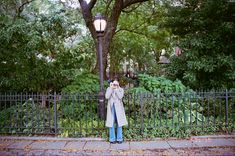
(213, 137)
(50, 138)
(101, 139)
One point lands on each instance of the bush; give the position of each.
(157, 94)
(83, 83)
(28, 117)
(156, 84)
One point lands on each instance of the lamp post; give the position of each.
(163, 60)
(100, 26)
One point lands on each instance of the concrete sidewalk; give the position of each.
(51, 146)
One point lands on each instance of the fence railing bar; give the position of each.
(226, 109)
(129, 113)
(204, 99)
(50, 114)
(190, 109)
(55, 114)
(185, 115)
(160, 108)
(172, 109)
(166, 99)
(37, 110)
(233, 110)
(178, 110)
(32, 110)
(135, 118)
(148, 105)
(208, 109)
(92, 122)
(86, 116)
(74, 101)
(80, 106)
(220, 116)
(155, 111)
(141, 111)
(21, 110)
(214, 110)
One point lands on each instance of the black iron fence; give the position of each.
(77, 114)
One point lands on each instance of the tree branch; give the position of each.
(144, 22)
(88, 6)
(87, 15)
(130, 2)
(132, 31)
(92, 4)
(107, 8)
(132, 9)
(147, 35)
(20, 9)
(113, 19)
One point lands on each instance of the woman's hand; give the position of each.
(114, 85)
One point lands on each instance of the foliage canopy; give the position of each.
(205, 31)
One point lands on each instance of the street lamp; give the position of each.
(99, 23)
(100, 26)
(163, 60)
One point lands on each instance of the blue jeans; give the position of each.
(112, 134)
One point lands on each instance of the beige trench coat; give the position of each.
(114, 97)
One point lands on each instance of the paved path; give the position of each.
(49, 146)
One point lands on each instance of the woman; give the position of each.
(115, 112)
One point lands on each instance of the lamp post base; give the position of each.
(101, 105)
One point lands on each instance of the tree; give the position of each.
(205, 31)
(34, 54)
(112, 12)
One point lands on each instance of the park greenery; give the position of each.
(49, 47)
(204, 31)
(45, 44)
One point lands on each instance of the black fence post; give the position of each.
(141, 111)
(226, 115)
(55, 114)
(129, 113)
